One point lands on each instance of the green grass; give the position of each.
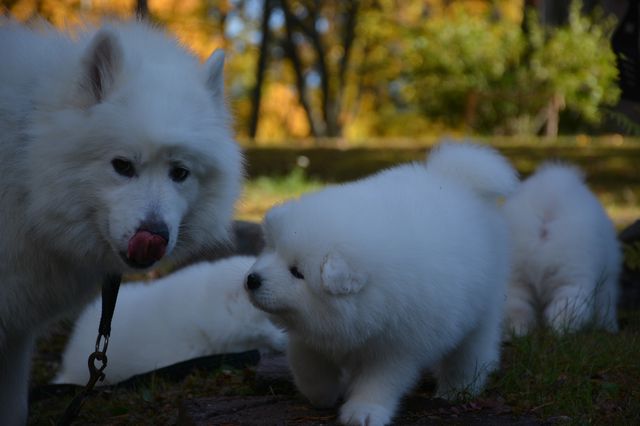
(611, 168)
(591, 377)
(622, 203)
(152, 402)
(262, 193)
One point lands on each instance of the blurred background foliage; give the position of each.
(363, 69)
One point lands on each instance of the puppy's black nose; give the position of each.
(253, 281)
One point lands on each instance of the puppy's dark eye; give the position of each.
(123, 167)
(296, 273)
(178, 173)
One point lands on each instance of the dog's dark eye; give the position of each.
(123, 167)
(178, 173)
(296, 273)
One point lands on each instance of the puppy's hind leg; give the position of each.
(465, 369)
(316, 377)
(520, 313)
(571, 308)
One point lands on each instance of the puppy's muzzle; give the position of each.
(254, 281)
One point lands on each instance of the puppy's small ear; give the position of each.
(340, 278)
(215, 73)
(102, 64)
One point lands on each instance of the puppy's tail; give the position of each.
(479, 167)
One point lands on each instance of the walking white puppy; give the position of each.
(566, 256)
(377, 279)
(115, 151)
(196, 311)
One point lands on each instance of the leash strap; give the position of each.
(110, 287)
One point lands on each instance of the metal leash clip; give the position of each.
(109, 295)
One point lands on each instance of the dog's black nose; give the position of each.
(253, 281)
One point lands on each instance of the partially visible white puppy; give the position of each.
(566, 256)
(199, 310)
(377, 279)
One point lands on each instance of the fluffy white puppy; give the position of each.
(376, 279)
(199, 310)
(566, 256)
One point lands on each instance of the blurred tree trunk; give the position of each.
(260, 68)
(7, 6)
(348, 37)
(308, 29)
(328, 122)
(142, 10)
(555, 13)
(556, 103)
(301, 84)
(471, 109)
(528, 6)
(552, 13)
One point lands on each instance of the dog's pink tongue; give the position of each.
(146, 247)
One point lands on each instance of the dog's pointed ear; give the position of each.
(102, 63)
(215, 73)
(338, 277)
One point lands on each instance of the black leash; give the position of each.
(110, 287)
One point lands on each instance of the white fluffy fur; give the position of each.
(68, 107)
(196, 311)
(566, 255)
(403, 270)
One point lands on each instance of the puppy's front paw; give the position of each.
(356, 413)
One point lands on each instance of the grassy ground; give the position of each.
(611, 167)
(586, 378)
(590, 377)
(262, 193)
(622, 202)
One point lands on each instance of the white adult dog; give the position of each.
(377, 279)
(115, 151)
(566, 256)
(196, 311)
